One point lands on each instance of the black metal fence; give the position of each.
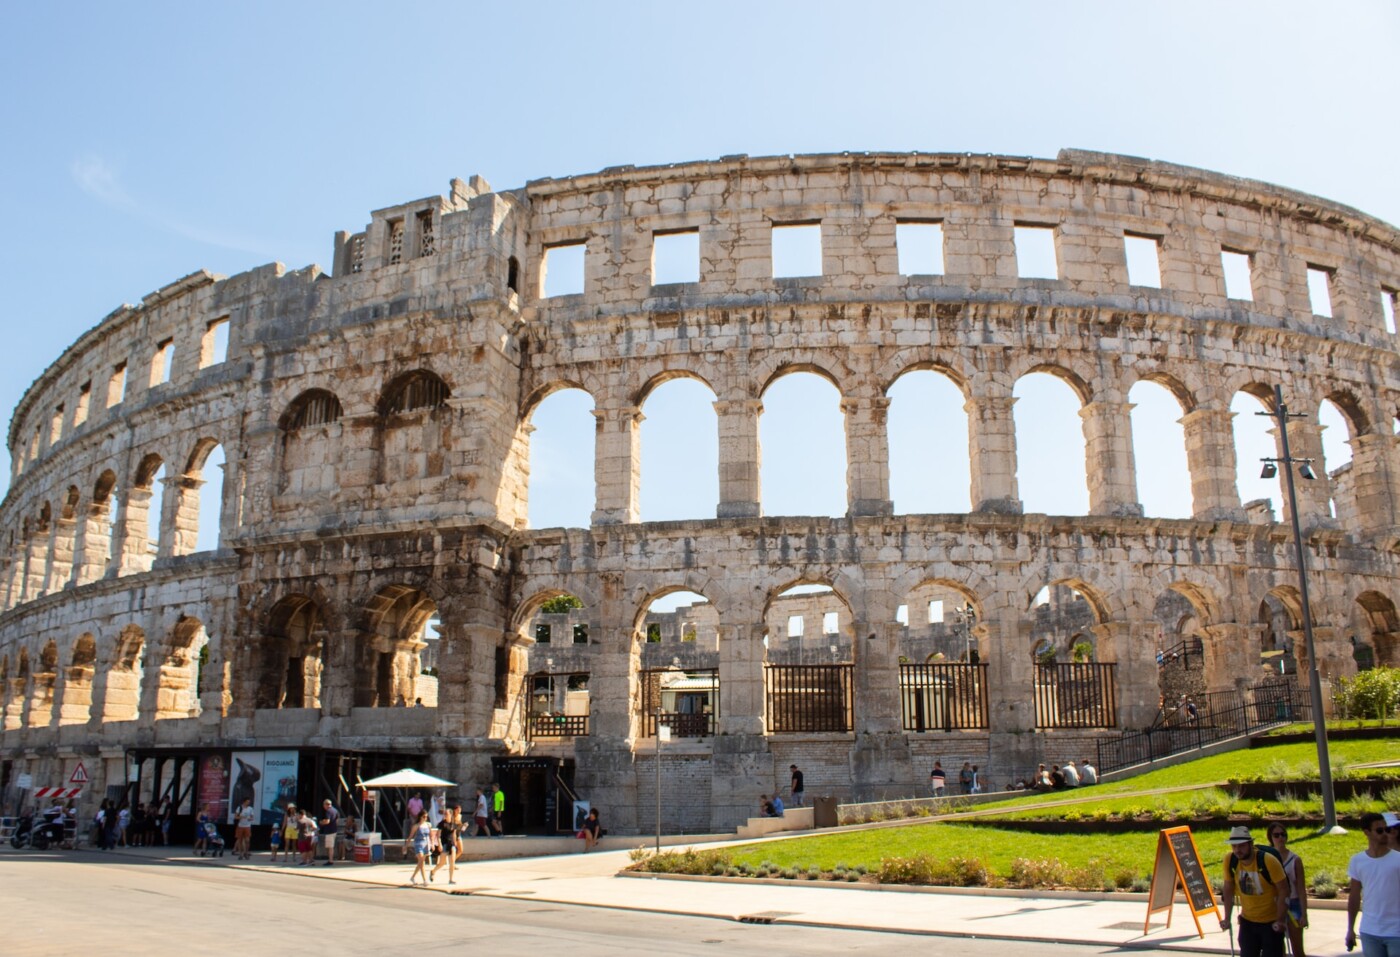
(687, 701)
(943, 696)
(808, 697)
(1075, 695)
(556, 726)
(1202, 721)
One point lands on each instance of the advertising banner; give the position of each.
(213, 786)
(279, 783)
(246, 780)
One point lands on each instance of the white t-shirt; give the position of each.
(1380, 892)
(245, 816)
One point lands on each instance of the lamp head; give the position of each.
(1269, 471)
(1305, 470)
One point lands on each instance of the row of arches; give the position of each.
(114, 530)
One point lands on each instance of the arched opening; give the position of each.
(415, 426)
(808, 671)
(1376, 625)
(122, 701)
(77, 682)
(558, 439)
(551, 663)
(1181, 650)
(291, 657)
(311, 444)
(18, 686)
(388, 666)
(1255, 440)
(1073, 687)
(942, 674)
(679, 662)
(680, 452)
(65, 556)
(1159, 451)
(1281, 651)
(155, 507)
(802, 436)
(1050, 460)
(177, 695)
(203, 497)
(1337, 433)
(930, 469)
(41, 695)
(102, 528)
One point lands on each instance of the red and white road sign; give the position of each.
(79, 775)
(57, 794)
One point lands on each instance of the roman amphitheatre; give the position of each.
(358, 444)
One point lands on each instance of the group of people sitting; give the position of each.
(1058, 778)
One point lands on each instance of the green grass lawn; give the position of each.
(998, 847)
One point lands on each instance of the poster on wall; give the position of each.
(246, 777)
(279, 783)
(213, 786)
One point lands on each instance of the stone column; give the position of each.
(1210, 457)
(1108, 458)
(741, 755)
(1315, 495)
(212, 684)
(473, 663)
(131, 543)
(1374, 482)
(740, 456)
(617, 465)
(881, 763)
(867, 455)
(59, 566)
(36, 560)
(180, 523)
(1131, 645)
(991, 439)
(1004, 639)
(94, 544)
(1230, 652)
(75, 703)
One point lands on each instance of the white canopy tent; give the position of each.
(403, 780)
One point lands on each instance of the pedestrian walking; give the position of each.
(306, 838)
(420, 839)
(1297, 887)
(482, 817)
(1255, 876)
(330, 828)
(938, 779)
(797, 787)
(449, 840)
(201, 831)
(1375, 873)
(498, 810)
(965, 777)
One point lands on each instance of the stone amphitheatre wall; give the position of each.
(375, 425)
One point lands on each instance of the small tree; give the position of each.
(560, 605)
(1370, 694)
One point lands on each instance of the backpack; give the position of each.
(1262, 852)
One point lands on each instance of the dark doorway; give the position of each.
(539, 794)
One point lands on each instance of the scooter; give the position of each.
(39, 837)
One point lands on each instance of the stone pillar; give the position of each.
(58, 564)
(338, 679)
(1131, 645)
(180, 523)
(740, 456)
(1314, 495)
(132, 542)
(617, 466)
(1374, 482)
(1010, 692)
(881, 763)
(1210, 457)
(36, 560)
(210, 686)
(1108, 459)
(474, 687)
(1229, 654)
(75, 703)
(991, 439)
(94, 541)
(740, 752)
(867, 455)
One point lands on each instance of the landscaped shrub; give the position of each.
(1324, 885)
(925, 869)
(1037, 873)
(1390, 797)
(688, 861)
(1369, 694)
(1100, 814)
(1141, 885)
(1124, 879)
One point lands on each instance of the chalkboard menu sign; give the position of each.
(1178, 864)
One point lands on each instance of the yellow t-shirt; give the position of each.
(1256, 896)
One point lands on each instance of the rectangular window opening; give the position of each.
(1035, 252)
(920, 247)
(901, 615)
(395, 242)
(675, 257)
(795, 626)
(56, 425)
(1238, 283)
(427, 242)
(213, 348)
(831, 623)
(1144, 255)
(581, 634)
(1388, 297)
(1320, 291)
(935, 612)
(162, 362)
(797, 250)
(80, 412)
(562, 271)
(116, 385)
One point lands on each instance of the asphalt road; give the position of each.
(86, 904)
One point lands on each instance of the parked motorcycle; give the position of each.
(40, 836)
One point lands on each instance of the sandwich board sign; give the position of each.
(1178, 864)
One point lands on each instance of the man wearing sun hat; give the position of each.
(1259, 882)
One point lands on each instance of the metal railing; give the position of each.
(688, 701)
(808, 697)
(1183, 651)
(556, 726)
(1218, 716)
(1075, 695)
(943, 696)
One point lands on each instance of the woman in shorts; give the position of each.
(449, 839)
(290, 830)
(1297, 887)
(420, 837)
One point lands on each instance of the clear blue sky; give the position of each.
(145, 141)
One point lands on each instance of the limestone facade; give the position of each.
(375, 425)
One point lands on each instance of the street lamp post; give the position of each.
(1281, 415)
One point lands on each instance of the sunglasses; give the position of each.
(1378, 831)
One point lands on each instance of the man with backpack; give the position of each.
(1255, 876)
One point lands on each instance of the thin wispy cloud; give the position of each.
(97, 178)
